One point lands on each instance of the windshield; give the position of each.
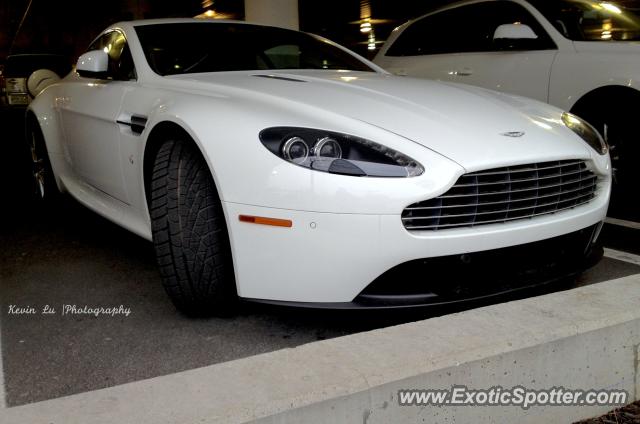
(590, 20)
(184, 48)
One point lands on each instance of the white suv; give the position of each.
(580, 55)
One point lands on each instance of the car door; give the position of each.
(457, 45)
(90, 112)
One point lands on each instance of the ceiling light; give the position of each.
(611, 8)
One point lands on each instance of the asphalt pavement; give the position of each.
(70, 257)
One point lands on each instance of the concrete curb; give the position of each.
(580, 339)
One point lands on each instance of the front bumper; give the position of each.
(331, 259)
(480, 275)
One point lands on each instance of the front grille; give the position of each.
(505, 194)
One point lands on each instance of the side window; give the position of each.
(115, 45)
(435, 34)
(467, 29)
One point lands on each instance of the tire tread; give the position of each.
(189, 232)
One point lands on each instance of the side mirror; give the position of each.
(514, 32)
(93, 64)
(41, 79)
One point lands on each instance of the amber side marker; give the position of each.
(262, 220)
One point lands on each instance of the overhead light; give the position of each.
(365, 27)
(213, 14)
(611, 8)
(371, 41)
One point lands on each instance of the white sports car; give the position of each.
(276, 166)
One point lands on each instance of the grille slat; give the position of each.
(497, 195)
(522, 180)
(578, 198)
(493, 203)
(515, 191)
(521, 168)
(434, 227)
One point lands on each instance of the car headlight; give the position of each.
(343, 154)
(586, 132)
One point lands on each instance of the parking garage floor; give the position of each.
(70, 256)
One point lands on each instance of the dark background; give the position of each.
(68, 26)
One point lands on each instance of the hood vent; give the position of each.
(278, 77)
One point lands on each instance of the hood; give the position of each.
(471, 126)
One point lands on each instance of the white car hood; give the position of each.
(469, 125)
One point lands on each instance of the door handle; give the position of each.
(464, 72)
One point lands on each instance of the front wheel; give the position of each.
(189, 232)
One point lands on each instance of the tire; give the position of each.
(43, 183)
(190, 234)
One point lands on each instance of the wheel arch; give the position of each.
(162, 131)
(612, 110)
(600, 99)
(30, 118)
(43, 110)
(47, 123)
